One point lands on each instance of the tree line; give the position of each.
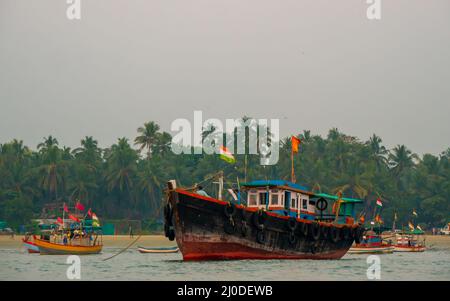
(127, 179)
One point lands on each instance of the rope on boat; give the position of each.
(123, 250)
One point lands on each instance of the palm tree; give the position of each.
(306, 136)
(89, 153)
(48, 143)
(121, 166)
(82, 182)
(334, 134)
(149, 184)
(148, 137)
(53, 169)
(401, 159)
(377, 151)
(164, 141)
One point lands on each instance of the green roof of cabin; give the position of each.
(414, 232)
(335, 197)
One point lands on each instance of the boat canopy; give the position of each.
(413, 232)
(335, 197)
(273, 183)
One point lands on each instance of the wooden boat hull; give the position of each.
(48, 248)
(409, 249)
(203, 232)
(31, 247)
(158, 250)
(371, 250)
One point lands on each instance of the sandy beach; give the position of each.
(116, 241)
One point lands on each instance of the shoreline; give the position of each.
(119, 241)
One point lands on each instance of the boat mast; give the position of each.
(220, 185)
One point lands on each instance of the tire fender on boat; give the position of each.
(324, 231)
(230, 209)
(292, 239)
(334, 234)
(261, 237)
(168, 226)
(303, 227)
(314, 230)
(229, 227)
(245, 230)
(292, 224)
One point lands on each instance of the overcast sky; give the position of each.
(313, 64)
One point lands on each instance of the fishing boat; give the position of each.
(410, 241)
(52, 248)
(263, 219)
(372, 243)
(158, 250)
(78, 236)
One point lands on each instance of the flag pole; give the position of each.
(245, 167)
(293, 180)
(64, 205)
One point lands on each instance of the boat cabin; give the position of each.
(287, 198)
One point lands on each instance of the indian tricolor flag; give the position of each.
(95, 221)
(226, 155)
(379, 203)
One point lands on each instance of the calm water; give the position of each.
(433, 264)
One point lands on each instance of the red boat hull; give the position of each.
(197, 250)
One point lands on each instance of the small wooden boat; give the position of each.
(372, 250)
(158, 250)
(49, 248)
(372, 244)
(30, 246)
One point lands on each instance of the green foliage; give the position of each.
(122, 182)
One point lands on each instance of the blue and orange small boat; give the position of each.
(372, 243)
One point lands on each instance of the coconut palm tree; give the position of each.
(121, 166)
(148, 137)
(53, 168)
(401, 159)
(378, 152)
(48, 143)
(149, 183)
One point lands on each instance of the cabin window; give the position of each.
(312, 203)
(275, 199)
(294, 203)
(304, 204)
(252, 201)
(263, 198)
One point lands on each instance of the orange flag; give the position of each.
(295, 143)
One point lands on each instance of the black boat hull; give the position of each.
(209, 229)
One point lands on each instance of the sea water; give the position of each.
(16, 264)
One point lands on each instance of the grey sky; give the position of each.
(314, 64)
